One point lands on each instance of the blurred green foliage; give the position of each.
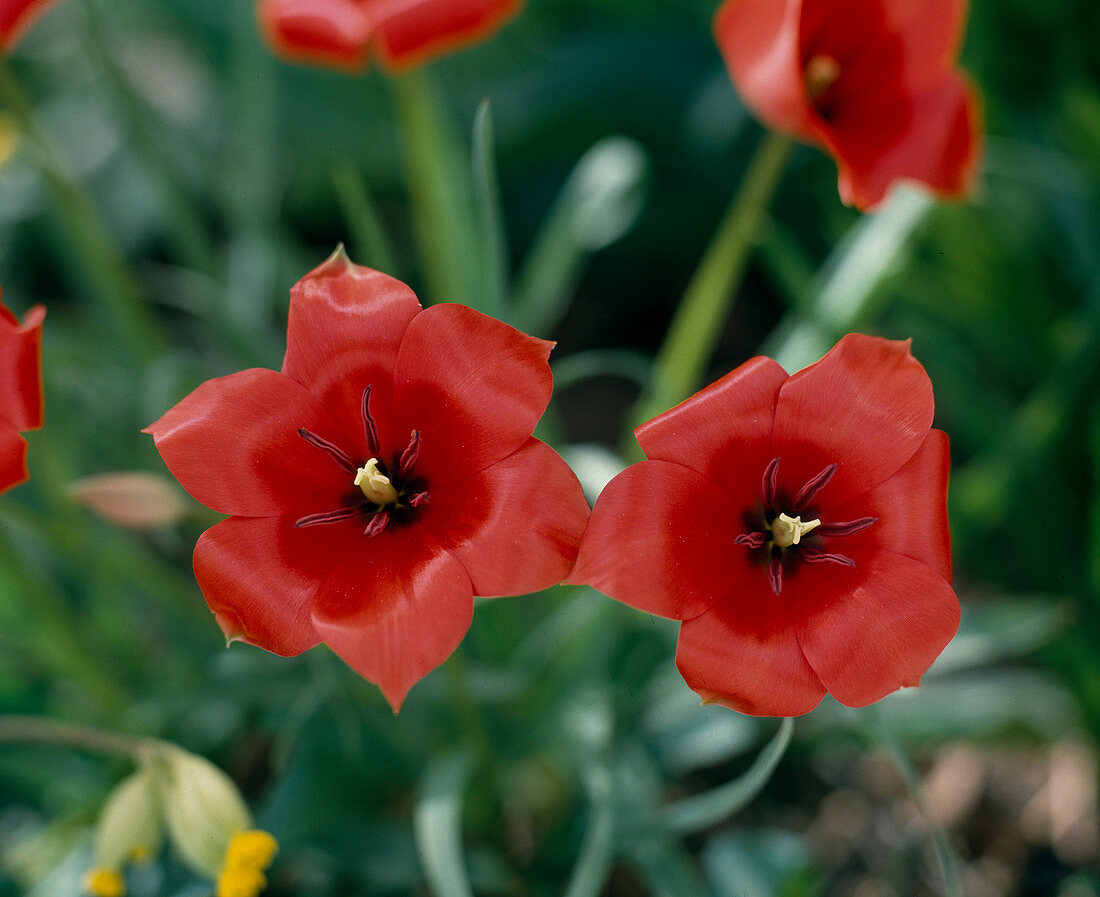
(172, 180)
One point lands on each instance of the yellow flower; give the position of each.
(104, 882)
(253, 849)
(240, 882)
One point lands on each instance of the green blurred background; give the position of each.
(164, 182)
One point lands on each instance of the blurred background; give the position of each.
(164, 180)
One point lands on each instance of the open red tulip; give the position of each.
(380, 481)
(872, 81)
(16, 16)
(797, 525)
(20, 390)
(403, 33)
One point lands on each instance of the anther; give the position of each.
(814, 556)
(409, 456)
(333, 451)
(421, 498)
(846, 528)
(812, 487)
(820, 73)
(377, 523)
(750, 540)
(775, 575)
(767, 486)
(325, 517)
(369, 427)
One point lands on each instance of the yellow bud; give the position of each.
(104, 883)
(250, 850)
(130, 822)
(203, 810)
(242, 882)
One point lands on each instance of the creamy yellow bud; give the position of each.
(203, 810)
(104, 883)
(242, 882)
(130, 822)
(376, 486)
(254, 849)
(790, 530)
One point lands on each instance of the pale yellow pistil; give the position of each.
(788, 531)
(821, 73)
(376, 486)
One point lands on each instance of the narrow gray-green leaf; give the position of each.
(712, 807)
(494, 243)
(598, 847)
(437, 826)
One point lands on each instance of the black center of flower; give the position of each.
(384, 492)
(785, 531)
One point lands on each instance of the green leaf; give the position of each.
(369, 240)
(437, 825)
(599, 203)
(712, 807)
(494, 242)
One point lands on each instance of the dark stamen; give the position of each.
(421, 498)
(369, 427)
(846, 529)
(767, 487)
(775, 575)
(409, 456)
(751, 540)
(325, 517)
(813, 556)
(335, 452)
(807, 492)
(377, 523)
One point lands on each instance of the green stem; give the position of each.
(439, 190)
(114, 284)
(370, 243)
(17, 729)
(697, 324)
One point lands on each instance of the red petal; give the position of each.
(723, 431)
(866, 406)
(345, 328)
(744, 654)
(412, 33)
(13, 457)
(931, 136)
(233, 444)
(474, 388)
(395, 610)
(930, 33)
(516, 525)
(661, 540)
(759, 40)
(16, 16)
(868, 630)
(259, 576)
(21, 368)
(321, 32)
(911, 508)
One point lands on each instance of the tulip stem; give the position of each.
(706, 303)
(438, 179)
(19, 729)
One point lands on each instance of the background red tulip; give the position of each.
(797, 525)
(871, 81)
(20, 390)
(346, 33)
(16, 16)
(380, 481)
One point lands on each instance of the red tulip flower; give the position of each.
(796, 525)
(16, 16)
(403, 33)
(20, 390)
(871, 81)
(380, 481)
